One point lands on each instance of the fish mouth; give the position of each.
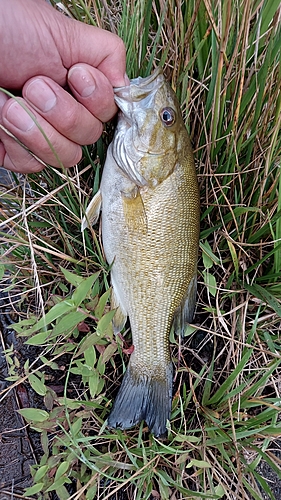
(140, 89)
(140, 81)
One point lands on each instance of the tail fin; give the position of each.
(141, 397)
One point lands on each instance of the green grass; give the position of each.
(223, 60)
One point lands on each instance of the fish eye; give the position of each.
(168, 116)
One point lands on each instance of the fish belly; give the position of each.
(151, 239)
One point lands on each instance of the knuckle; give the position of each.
(81, 126)
(120, 45)
(70, 121)
(57, 150)
(33, 167)
(25, 164)
(94, 134)
(73, 159)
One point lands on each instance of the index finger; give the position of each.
(94, 46)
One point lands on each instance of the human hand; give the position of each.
(43, 51)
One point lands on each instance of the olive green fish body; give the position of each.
(150, 231)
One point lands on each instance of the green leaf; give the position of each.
(218, 491)
(34, 415)
(93, 383)
(62, 469)
(210, 282)
(201, 464)
(209, 258)
(264, 483)
(76, 426)
(102, 302)
(108, 352)
(21, 325)
(75, 370)
(268, 12)
(33, 489)
(91, 493)
(57, 310)
(265, 296)
(40, 473)
(92, 339)
(101, 365)
(38, 338)
(72, 278)
(12, 378)
(62, 492)
(70, 403)
(189, 330)
(207, 250)
(90, 356)
(68, 322)
(85, 371)
(45, 443)
(63, 288)
(83, 289)
(37, 384)
(57, 484)
(222, 392)
(234, 256)
(2, 271)
(104, 322)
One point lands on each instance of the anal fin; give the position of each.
(120, 316)
(92, 212)
(185, 312)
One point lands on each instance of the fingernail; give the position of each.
(82, 81)
(18, 117)
(41, 95)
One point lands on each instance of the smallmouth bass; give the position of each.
(150, 230)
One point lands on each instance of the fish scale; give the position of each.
(150, 229)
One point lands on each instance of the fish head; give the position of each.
(150, 130)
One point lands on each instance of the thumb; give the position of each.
(82, 43)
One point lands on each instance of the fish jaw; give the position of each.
(140, 89)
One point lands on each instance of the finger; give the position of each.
(70, 118)
(38, 135)
(94, 46)
(17, 159)
(93, 90)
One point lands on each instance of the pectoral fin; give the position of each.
(93, 211)
(134, 211)
(185, 312)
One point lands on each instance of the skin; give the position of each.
(42, 51)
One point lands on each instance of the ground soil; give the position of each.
(19, 446)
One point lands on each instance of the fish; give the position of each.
(149, 201)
